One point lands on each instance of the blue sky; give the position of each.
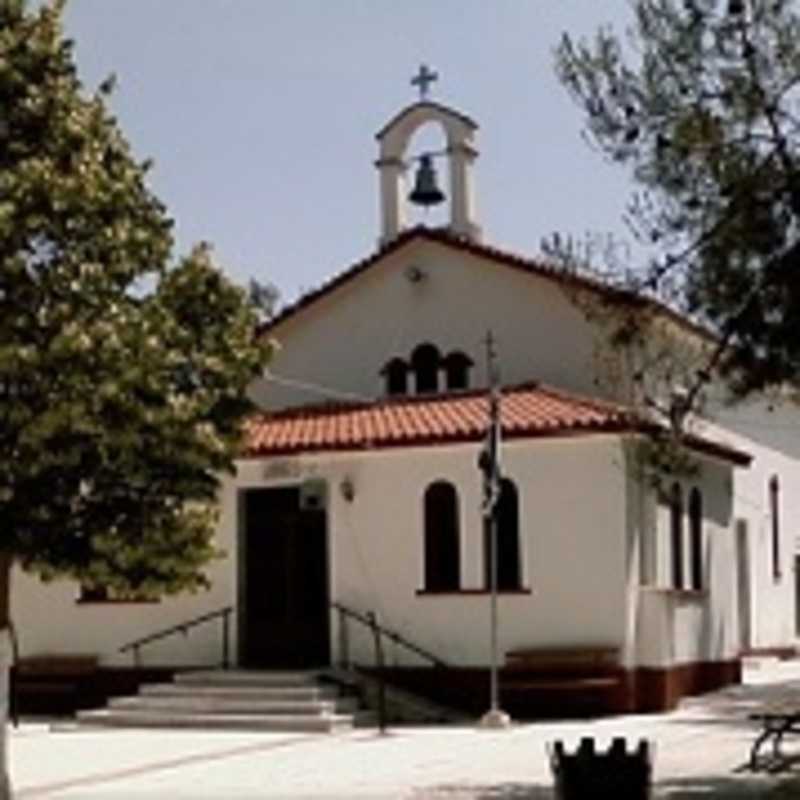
(261, 115)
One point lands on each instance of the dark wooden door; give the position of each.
(285, 615)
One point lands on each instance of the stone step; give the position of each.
(300, 723)
(233, 700)
(247, 678)
(401, 705)
(233, 692)
(231, 705)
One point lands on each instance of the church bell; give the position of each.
(425, 191)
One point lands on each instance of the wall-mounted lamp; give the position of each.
(348, 489)
(415, 274)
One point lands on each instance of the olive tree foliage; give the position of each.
(265, 298)
(701, 102)
(122, 371)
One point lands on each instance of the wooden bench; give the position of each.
(57, 664)
(775, 724)
(589, 658)
(561, 669)
(58, 677)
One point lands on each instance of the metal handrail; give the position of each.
(184, 628)
(370, 621)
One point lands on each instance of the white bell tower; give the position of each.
(393, 139)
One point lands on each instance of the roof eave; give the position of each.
(424, 104)
(706, 447)
(448, 239)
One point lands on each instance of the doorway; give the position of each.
(743, 584)
(284, 590)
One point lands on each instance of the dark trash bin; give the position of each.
(613, 773)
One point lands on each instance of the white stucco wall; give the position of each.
(683, 626)
(595, 557)
(49, 620)
(572, 521)
(770, 432)
(343, 340)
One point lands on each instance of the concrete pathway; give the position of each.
(700, 753)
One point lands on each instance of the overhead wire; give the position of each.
(316, 388)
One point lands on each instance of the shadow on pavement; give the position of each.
(702, 788)
(699, 788)
(500, 791)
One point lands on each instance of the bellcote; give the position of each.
(393, 140)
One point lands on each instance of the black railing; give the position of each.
(370, 621)
(184, 627)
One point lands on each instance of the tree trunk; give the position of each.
(6, 559)
(6, 660)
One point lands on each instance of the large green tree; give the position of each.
(700, 102)
(122, 372)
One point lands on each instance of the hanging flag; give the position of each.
(489, 458)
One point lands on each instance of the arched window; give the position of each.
(456, 369)
(696, 537)
(509, 573)
(396, 374)
(774, 512)
(425, 362)
(442, 545)
(676, 534)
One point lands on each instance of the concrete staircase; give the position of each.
(232, 700)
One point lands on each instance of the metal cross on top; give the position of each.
(423, 79)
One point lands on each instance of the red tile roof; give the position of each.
(526, 411)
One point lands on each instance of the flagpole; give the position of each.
(491, 524)
(494, 718)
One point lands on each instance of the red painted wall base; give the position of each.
(639, 690)
(660, 689)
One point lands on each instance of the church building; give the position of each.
(362, 491)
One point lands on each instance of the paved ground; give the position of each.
(701, 750)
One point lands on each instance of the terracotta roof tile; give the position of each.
(526, 411)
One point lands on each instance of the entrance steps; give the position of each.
(232, 700)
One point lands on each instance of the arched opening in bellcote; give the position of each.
(429, 139)
(452, 140)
